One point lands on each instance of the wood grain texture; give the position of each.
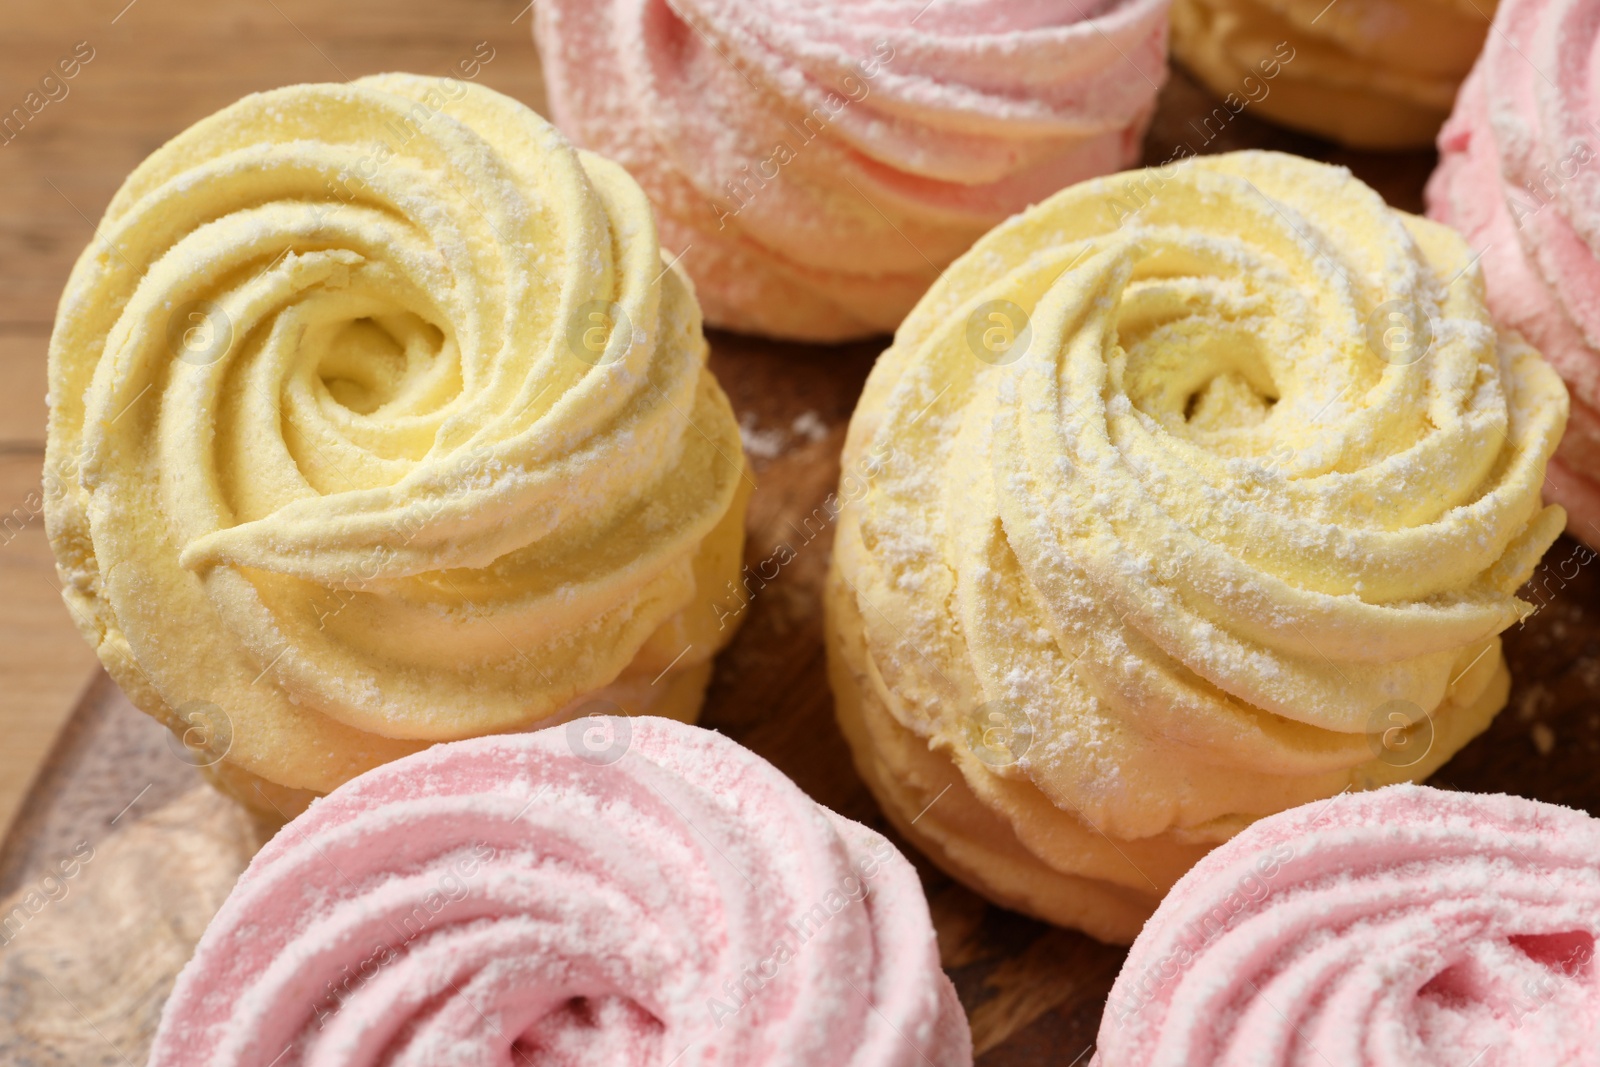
(82, 976)
(44, 663)
(22, 387)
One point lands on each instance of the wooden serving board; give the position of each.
(152, 851)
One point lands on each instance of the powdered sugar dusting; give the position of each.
(618, 891)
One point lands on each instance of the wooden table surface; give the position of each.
(167, 851)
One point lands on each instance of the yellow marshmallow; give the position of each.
(377, 419)
(1378, 74)
(1179, 486)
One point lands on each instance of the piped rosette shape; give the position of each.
(617, 892)
(1169, 519)
(377, 420)
(1517, 176)
(1403, 926)
(817, 164)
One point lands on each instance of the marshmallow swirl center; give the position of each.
(1182, 479)
(377, 420)
(1403, 926)
(645, 892)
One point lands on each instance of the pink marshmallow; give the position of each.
(1401, 927)
(1519, 175)
(817, 165)
(571, 896)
